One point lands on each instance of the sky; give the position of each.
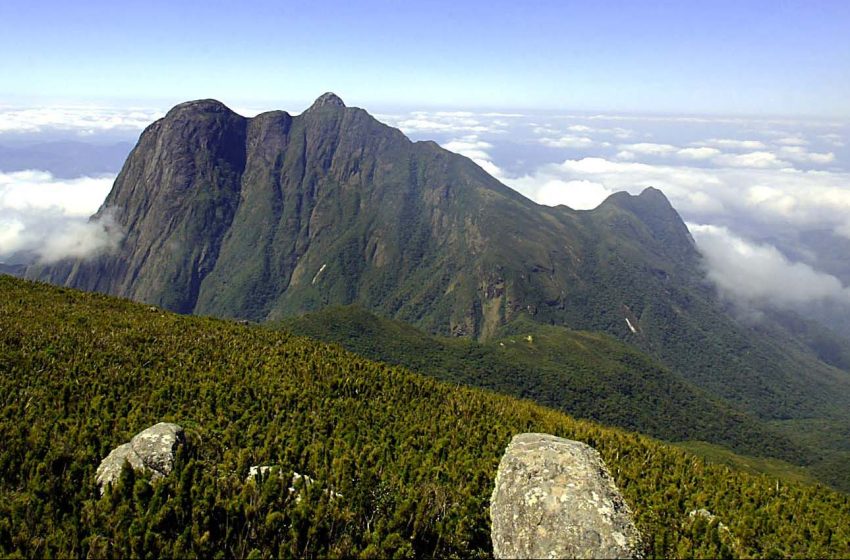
(714, 57)
(738, 111)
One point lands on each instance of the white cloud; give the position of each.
(426, 124)
(29, 191)
(617, 132)
(792, 141)
(631, 151)
(85, 120)
(80, 239)
(759, 274)
(503, 115)
(780, 197)
(759, 160)
(469, 146)
(49, 216)
(246, 111)
(649, 148)
(698, 153)
(578, 195)
(419, 122)
(733, 144)
(476, 150)
(835, 139)
(568, 141)
(797, 153)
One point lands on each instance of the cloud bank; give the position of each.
(759, 274)
(753, 189)
(48, 217)
(85, 120)
(437, 122)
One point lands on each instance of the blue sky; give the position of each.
(741, 57)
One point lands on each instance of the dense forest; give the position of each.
(403, 464)
(585, 374)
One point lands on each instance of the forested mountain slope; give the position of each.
(585, 374)
(411, 460)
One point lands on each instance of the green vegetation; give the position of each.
(587, 375)
(773, 467)
(413, 458)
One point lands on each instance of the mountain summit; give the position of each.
(275, 215)
(328, 99)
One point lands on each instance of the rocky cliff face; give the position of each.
(554, 498)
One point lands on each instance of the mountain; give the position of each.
(403, 466)
(272, 216)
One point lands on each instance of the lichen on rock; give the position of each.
(554, 498)
(151, 450)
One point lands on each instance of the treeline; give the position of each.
(403, 465)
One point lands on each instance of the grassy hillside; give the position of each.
(587, 375)
(413, 459)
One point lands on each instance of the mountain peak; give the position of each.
(653, 208)
(201, 106)
(653, 193)
(328, 99)
(650, 197)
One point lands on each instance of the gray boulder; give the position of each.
(554, 498)
(151, 450)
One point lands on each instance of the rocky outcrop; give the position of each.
(554, 498)
(151, 450)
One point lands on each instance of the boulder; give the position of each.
(554, 498)
(151, 450)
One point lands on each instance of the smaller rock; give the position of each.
(151, 450)
(702, 513)
(708, 516)
(257, 471)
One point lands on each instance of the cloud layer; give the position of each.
(48, 217)
(760, 274)
(85, 120)
(735, 188)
